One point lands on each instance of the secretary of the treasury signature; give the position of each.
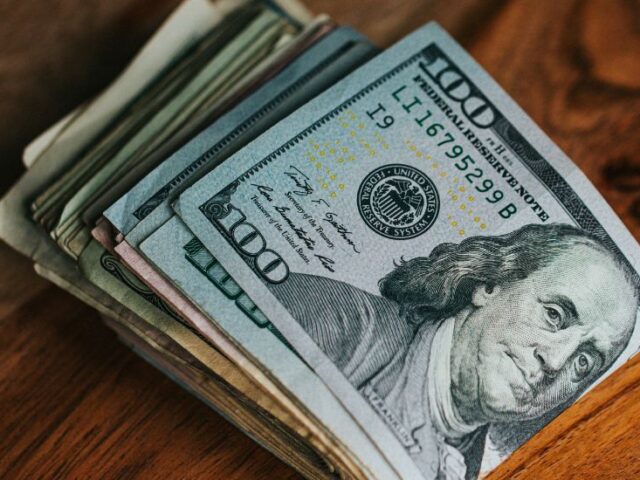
(493, 330)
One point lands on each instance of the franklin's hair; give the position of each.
(440, 285)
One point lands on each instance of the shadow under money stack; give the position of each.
(375, 265)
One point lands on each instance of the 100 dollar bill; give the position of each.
(431, 254)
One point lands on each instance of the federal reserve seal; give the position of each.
(398, 201)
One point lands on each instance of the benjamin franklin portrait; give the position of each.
(493, 336)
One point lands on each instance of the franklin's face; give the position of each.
(530, 346)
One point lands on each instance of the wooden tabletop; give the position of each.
(75, 403)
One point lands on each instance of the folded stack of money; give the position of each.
(376, 265)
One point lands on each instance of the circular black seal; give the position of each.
(398, 201)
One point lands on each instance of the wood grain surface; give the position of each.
(75, 403)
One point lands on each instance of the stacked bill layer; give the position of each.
(376, 267)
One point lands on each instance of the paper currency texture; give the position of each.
(438, 262)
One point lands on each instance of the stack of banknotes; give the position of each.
(375, 264)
